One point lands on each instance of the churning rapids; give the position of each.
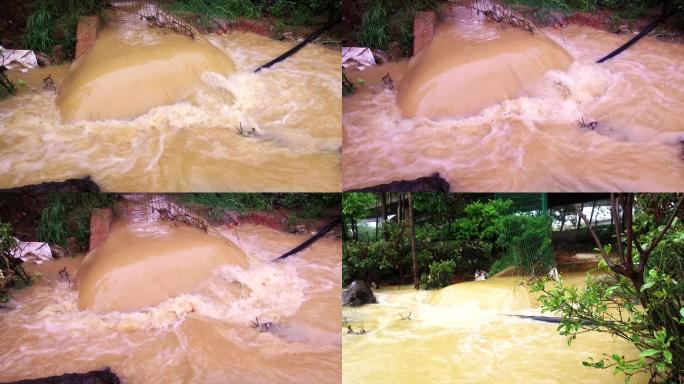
(495, 108)
(165, 304)
(462, 334)
(149, 109)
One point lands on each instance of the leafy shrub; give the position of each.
(11, 271)
(366, 261)
(637, 299)
(482, 220)
(440, 275)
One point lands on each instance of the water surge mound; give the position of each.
(123, 77)
(135, 268)
(460, 74)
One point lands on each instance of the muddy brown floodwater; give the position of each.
(495, 108)
(463, 334)
(136, 306)
(149, 109)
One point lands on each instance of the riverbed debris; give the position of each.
(592, 124)
(498, 13)
(49, 84)
(63, 276)
(350, 330)
(405, 317)
(388, 81)
(262, 327)
(160, 18)
(34, 251)
(248, 133)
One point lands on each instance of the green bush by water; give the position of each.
(440, 275)
(12, 272)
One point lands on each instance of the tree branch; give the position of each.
(615, 268)
(647, 253)
(618, 225)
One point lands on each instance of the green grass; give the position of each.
(375, 26)
(240, 202)
(305, 205)
(391, 20)
(68, 215)
(623, 8)
(290, 12)
(54, 22)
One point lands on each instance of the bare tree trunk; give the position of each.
(412, 222)
(581, 211)
(377, 228)
(562, 220)
(383, 201)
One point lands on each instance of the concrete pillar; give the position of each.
(86, 33)
(423, 30)
(100, 225)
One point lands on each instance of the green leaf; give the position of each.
(649, 352)
(647, 285)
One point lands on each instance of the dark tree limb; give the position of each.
(614, 267)
(299, 46)
(647, 29)
(321, 232)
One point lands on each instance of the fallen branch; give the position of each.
(647, 29)
(299, 46)
(321, 232)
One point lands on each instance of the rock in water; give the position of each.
(358, 293)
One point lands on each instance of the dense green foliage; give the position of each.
(12, 273)
(639, 298)
(354, 206)
(466, 237)
(307, 205)
(68, 215)
(54, 22)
